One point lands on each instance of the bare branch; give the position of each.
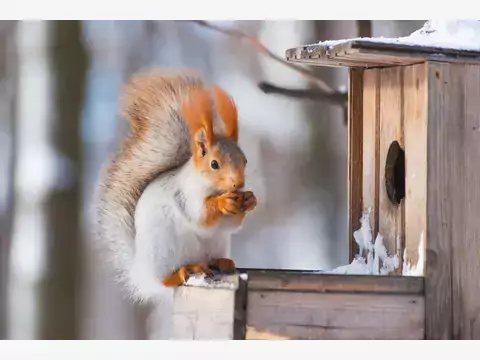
(263, 49)
(337, 98)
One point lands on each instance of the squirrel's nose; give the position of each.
(237, 184)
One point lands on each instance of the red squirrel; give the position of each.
(173, 194)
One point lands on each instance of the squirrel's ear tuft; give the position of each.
(197, 112)
(227, 111)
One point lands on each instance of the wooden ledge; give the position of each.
(290, 304)
(367, 54)
(211, 311)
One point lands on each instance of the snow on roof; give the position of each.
(453, 34)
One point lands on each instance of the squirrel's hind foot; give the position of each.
(180, 276)
(223, 266)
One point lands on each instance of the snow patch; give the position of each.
(377, 262)
(451, 34)
(218, 282)
(244, 276)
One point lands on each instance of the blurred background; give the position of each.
(59, 121)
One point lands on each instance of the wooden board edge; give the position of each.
(310, 281)
(240, 310)
(438, 269)
(358, 53)
(355, 156)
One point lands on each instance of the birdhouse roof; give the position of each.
(451, 41)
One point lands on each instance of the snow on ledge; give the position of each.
(452, 34)
(218, 282)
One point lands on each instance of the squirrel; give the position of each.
(173, 194)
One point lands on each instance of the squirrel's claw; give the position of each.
(234, 203)
(181, 276)
(249, 202)
(230, 203)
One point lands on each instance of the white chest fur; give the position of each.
(167, 232)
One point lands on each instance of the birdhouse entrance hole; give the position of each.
(395, 173)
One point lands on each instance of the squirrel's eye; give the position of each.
(214, 165)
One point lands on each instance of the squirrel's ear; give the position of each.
(200, 143)
(227, 111)
(198, 116)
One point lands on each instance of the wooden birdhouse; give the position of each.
(414, 165)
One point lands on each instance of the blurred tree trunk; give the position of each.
(61, 290)
(8, 79)
(328, 143)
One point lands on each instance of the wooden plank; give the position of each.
(438, 272)
(391, 129)
(453, 203)
(214, 312)
(282, 280)
(466, 201)
(361, 53)
(371, 142)
(415, 135)
(313, 61)
(300, 315)
(355, 141)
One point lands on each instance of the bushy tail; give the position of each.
(158, 141)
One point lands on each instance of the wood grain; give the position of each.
(263, 280)
(355, 157)
(297, 315)
(452, 286)
(415, 135)
(466, 199)
(391, 129)
(371, 142)
(438, 272)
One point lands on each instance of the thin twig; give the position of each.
(263, 49)
(337, 98)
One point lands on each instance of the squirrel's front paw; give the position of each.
(230, 203)
(249, 202)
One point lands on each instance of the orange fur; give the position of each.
(197, 113)
(228, 112)
(184, 273)
(231, 204)
(211, 213)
